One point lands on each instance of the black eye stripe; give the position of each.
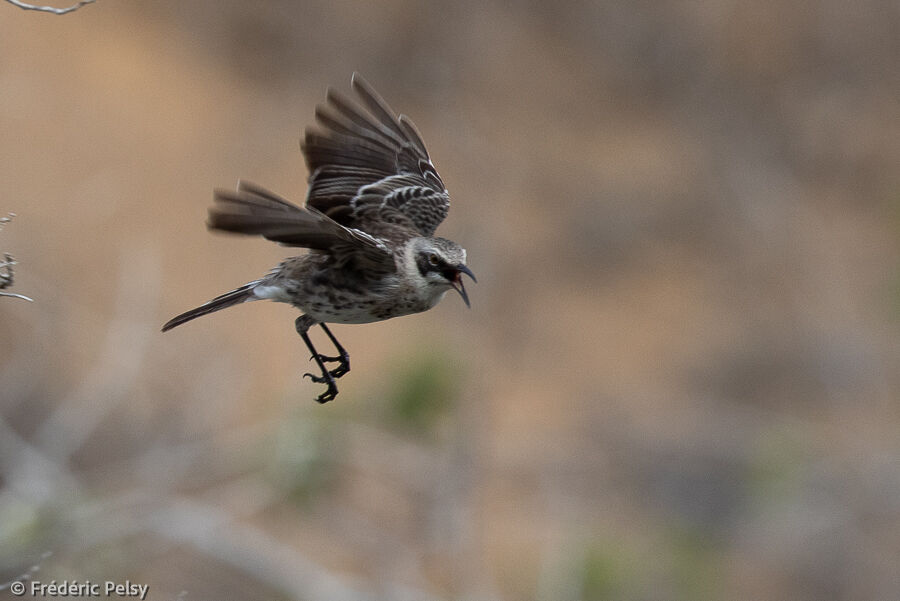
(424, 264)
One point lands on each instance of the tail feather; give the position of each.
(236, 296)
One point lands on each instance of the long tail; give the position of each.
(236, 296)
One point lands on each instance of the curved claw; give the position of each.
(337, 372)
(328, 359)
(328, 395)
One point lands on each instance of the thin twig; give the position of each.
(14, 295)
(50, 9)
(6, 267)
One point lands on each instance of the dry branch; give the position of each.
(50, 9)
(6, 267)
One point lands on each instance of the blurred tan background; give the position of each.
(678, 380)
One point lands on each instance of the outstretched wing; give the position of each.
(369, 168)
(253, 210)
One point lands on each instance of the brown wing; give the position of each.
(369, 167)
(253, 210)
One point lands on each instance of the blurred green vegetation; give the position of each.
(604, 572)
(305, 456)
(695, 568)
(20, 525)
(423, 391)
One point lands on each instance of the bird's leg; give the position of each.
(303, 324)
(343, 356)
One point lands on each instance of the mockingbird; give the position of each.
(373, 204)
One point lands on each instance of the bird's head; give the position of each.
(437, 265)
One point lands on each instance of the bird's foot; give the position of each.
(330, 393)
(337, 372)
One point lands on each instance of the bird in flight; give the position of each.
(373, 204)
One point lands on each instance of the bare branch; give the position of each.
(14, 295)
(50, 9)
(6, 267)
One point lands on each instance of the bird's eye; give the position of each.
(433, 260)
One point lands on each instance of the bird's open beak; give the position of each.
(458, 284)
